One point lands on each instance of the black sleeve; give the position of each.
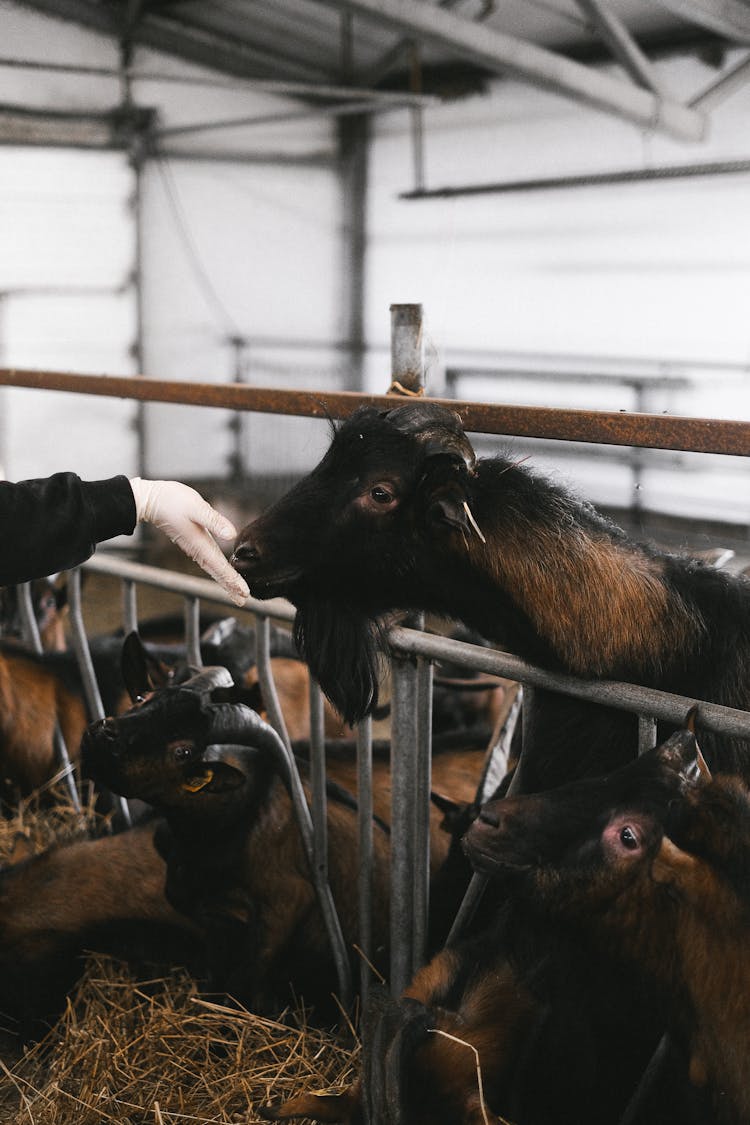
(55, 523)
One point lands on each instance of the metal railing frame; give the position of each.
(412, 651)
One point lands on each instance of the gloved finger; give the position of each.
(200, 547)
(201, 512)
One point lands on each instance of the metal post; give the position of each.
(404, 795)
(318, 781)
(353, 145)
(423, 781)
(407, 350)
(364, 800)
(86, 667)
(31, 636)
(129, 607)
(192, 609)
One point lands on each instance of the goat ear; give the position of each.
(141, 672)
(218, 777)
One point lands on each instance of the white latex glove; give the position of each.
(190, 522)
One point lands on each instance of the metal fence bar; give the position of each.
(423, 779)
(192, 610)
(86, 668)
(31, 636)
(403, 808)
(612, 693)
(129, 606)
(366, 865)
(318, 795)
(605, 427)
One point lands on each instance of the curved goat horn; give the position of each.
(205, 680)
(238, 724)
(436, 428)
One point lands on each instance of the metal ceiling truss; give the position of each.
(730, 18)
(518, 58)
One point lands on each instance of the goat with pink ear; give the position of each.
(400, 514)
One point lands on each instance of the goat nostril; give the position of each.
(245, 553)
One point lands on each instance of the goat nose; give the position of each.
(245, 553)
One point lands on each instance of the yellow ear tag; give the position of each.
(195, 784)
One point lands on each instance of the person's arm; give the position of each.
(55, 523)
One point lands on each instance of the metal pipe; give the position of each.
(266, 681)
(589, 179)
(662, 705)
(730, 80)
(318, 795)
(623, 46)
(129, 606)
(421, 813)
(518, 58)
(86, 668)
(403, 798)
(366, 859)
(30, 633)
(192, 613)
(651, 431)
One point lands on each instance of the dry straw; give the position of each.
(155, 1051)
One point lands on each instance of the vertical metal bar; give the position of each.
(86, 667)
(318, 781)
(647, 734)
(30, 633)
(353, 152)
(403, 798)
(366, 862)
(129, 607)
(423, 782)
(136, 159)
(265, 679)
(407, 349)
(192, 610)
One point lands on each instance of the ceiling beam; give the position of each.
(731, 79)
(525, 61)
(726, 17)
(158, 31)
(613, 32)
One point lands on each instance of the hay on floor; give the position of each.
(135, 1051)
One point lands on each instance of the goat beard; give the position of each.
(342, 647)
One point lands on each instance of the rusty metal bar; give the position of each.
(604, 427)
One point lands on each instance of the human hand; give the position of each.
(190, 522)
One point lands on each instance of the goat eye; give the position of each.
(182, 752)
(381, 495)
(629, 838)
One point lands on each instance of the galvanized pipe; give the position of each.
(30, 632)
(129, 606)
(86, 668)
(403, 810)
(192, 611)
(318, 796)
(366, 861)
(662, 705)
(422, 805)
(266, 680)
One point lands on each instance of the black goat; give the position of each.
(563, 1025)
(236, 862)
(400, 515)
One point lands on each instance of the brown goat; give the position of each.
(105, 894)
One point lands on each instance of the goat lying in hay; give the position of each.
(561, 1019)
(105, 894)
(399, 514)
